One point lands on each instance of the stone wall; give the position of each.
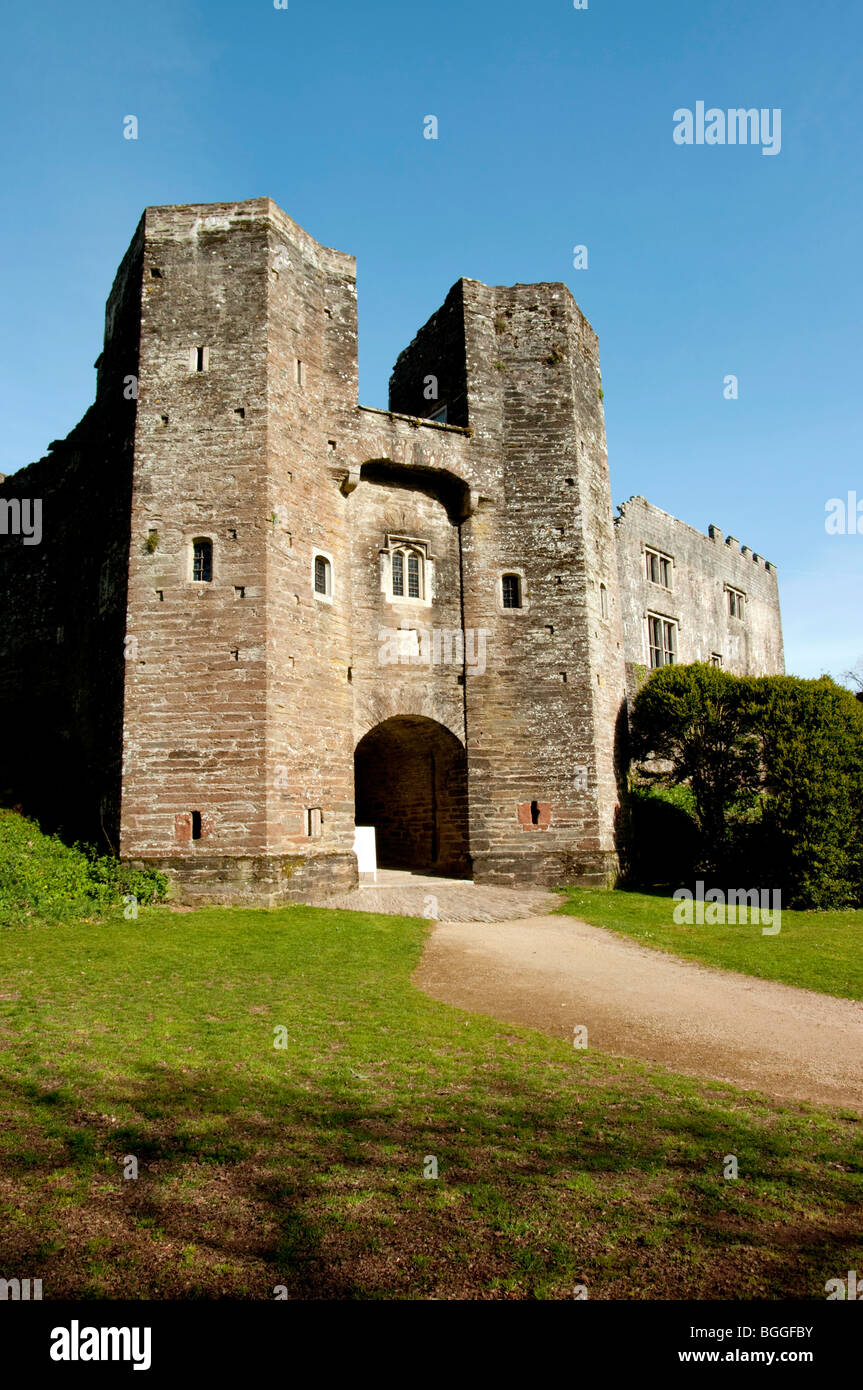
(704, 568)
(62, 667)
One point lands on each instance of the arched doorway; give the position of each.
(410, 781)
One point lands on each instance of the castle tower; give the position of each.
(520, 366)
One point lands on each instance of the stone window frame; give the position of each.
(604, 601)
(498, 592)
(739, 598)
(189, 545)
(204, 350)
(661, 555)
(331, 575)
(716, 660)
(407, 545)
(674, 649)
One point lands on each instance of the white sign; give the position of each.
(364, 849)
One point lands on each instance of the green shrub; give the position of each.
(693, 725)
(662, 839)
(809, 838)
(774, 766)
(44, 879)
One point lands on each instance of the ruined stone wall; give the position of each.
(62, 663)
(704, 566)
(418, 388)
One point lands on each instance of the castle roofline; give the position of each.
(714, 537)
(210, 215)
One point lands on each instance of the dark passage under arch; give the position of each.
(410, 783)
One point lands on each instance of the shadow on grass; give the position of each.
(246, 1183)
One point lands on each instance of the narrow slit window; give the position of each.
(534, 813)
(323, 576)
(202, 561)
(603, 600)
(511, 589)
(398, 574)
(196, 825)
(200, 359)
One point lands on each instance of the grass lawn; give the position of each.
(304, 1166)
(816, 950)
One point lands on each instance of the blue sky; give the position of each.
(555, 129)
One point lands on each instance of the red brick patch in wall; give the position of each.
(534, 815)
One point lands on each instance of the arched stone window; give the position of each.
(409, 574)
(398, 572)
(603, 600)
(323, 576)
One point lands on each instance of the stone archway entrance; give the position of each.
(410, 780)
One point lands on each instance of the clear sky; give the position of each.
(555, 130)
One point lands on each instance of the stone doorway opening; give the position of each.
(410, 783)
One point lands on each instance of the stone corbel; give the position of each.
(351, 481)
(470, 503)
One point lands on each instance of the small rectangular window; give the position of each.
(715, 659)
(658, 568)
(196, 825)
(398, 574)
(314, 822)
(202, 561)
(511, 591)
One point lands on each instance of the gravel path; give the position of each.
(557, 973)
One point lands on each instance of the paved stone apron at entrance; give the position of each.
(407, 894)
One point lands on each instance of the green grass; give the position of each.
(815, 950)
(303, 1166)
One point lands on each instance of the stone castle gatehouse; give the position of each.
(261, 614)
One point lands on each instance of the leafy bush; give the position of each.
(43, 878)
(774, 765)
(809, 839)
(662, 840)
(693, 724)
